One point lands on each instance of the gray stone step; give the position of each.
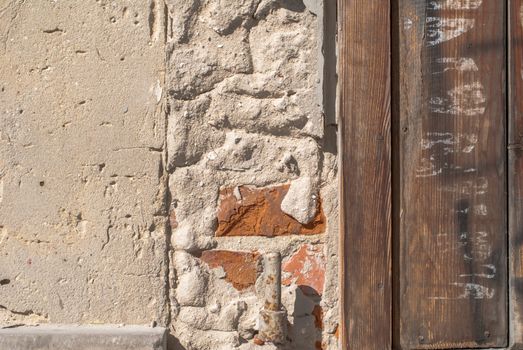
(70, 337)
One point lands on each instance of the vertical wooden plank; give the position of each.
(364, 110)
(515, 170)
(453, 231)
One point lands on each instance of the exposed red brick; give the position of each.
(317, 312)
(258, 341)
(241, 268)
(257, 212)
(172, 220)
(306, 268)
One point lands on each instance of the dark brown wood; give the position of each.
(364, 107)
(515, 171)
(452, 285)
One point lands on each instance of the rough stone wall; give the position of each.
(151, 152)
(249, 170)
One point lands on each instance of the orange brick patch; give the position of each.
(251, 211)
(241, 268)
(306, 268)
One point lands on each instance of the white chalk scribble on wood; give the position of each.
(480, 247)
(489, 273)
(441, 29)
(478, 186)
(446, 64)
(433, 166)
(449, 143)
(467, 99)
(454, 4)
(469, 291)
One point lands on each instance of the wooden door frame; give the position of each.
(365, 143)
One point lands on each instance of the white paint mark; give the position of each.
(441, 29)
(467, 99)
(450, 143)
(455, 64)
(480, 209)
(489, 273)
(470, 291)
(454, 4)
(407, 23)
(474, 291)
(429, 167)
(480, 247)
(468, 187)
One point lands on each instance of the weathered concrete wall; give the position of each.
(153, 151)
(82, 188)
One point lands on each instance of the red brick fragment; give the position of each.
(258, 341)
(306, 268)
(251, 211)
(241, 268)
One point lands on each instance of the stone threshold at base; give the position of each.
(80, 337)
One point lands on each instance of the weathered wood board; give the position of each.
(452, 231)
(515, 170)
(364, 113)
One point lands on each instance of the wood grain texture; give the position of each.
(364, 110)
(452, 285)
(515, 171)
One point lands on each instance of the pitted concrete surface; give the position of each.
(83, 338)
(82, 233)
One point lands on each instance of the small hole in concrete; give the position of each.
(42, 183)
(4, 281)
